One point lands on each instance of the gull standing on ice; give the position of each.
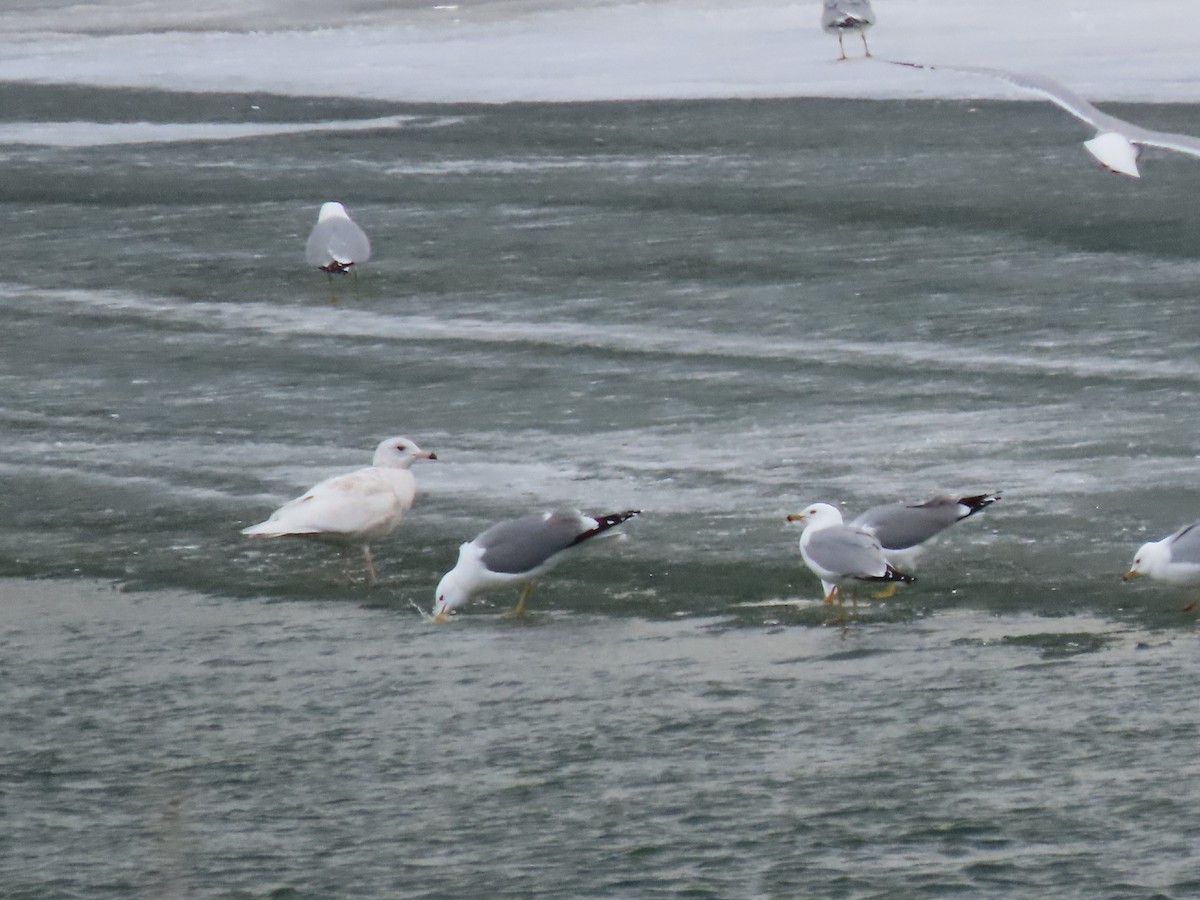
(517, 551)
(1174, 559)
(841, 16)
(353, 509)
(336, 243)
(903, 530)
(1116, 145)
(837, 553)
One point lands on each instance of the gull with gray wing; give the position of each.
(1116, 144)
(516, 551)
(336, 243)
(903, 529)
(837, 553)
(848, 16)
(1174, 559)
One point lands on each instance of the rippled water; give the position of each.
(715, 312)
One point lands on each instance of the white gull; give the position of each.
(353, 509)
(336, 243)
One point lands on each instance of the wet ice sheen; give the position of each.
(572, 316)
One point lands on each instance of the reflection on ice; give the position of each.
(99, 134)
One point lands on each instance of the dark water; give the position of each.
(716, 312)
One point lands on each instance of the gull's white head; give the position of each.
(332, 210)
(452, 592)
(1149, 559)
(818, 515)
(1115, 153)
(399, 453)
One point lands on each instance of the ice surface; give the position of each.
(496, 51)
(97, 134)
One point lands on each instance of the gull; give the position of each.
(1116, 144)
(336, 243)
(903, 530)
(353, 509)
(837, 553)
(840, 16)
(1174, 559)
(517, 551)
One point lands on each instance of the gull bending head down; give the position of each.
(1174, 559)
(516, 551)
(903, 530)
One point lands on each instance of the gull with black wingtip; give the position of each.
(838, 553)
(516, 551)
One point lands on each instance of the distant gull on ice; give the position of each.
(1174, 559)
(903, 530)
(837, 553)
(336, 243)
(353, 509)
(517, 551)
(1116, 145)
(841, 16)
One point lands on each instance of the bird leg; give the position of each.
(519, 609)
(841, 47)
(886, 593)
(835, 595)
(372, 577)
(346, 571)
(866, 49)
